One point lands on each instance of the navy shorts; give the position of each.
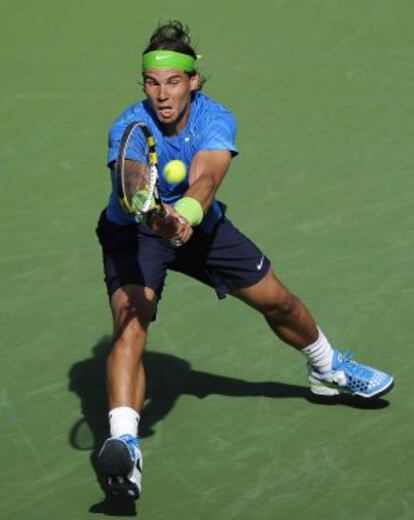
(224, 258)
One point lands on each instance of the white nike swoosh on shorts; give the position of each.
(260, 264)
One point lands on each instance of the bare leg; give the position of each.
(286, 315)
(133, 308)
(292, 322)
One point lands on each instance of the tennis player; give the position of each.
(190, 127)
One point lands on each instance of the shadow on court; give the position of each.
(168, 377)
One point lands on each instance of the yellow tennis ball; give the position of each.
(174, 171)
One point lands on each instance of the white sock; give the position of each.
(320, 353)
(123, 420)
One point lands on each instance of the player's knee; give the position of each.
(130, 331)
(131, 325)
(133, 303)
(131, 315)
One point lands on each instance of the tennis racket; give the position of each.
(137, 173)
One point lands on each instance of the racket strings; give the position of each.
(137, 169)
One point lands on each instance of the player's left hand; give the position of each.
(172, 226)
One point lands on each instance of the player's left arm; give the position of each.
(207, 171)
(208, 168)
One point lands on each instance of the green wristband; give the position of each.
(190, 209)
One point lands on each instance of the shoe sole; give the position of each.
(115, 459)
(325, 389)
(121, 487)
(115, 464)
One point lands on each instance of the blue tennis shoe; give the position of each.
(120, 464)
(349, 376)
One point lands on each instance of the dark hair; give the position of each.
(173, 36)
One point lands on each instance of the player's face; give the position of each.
(169, 92)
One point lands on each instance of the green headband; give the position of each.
(162, 59)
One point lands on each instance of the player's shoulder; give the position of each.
(208, 115)
(213, 125)
(205, 106)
